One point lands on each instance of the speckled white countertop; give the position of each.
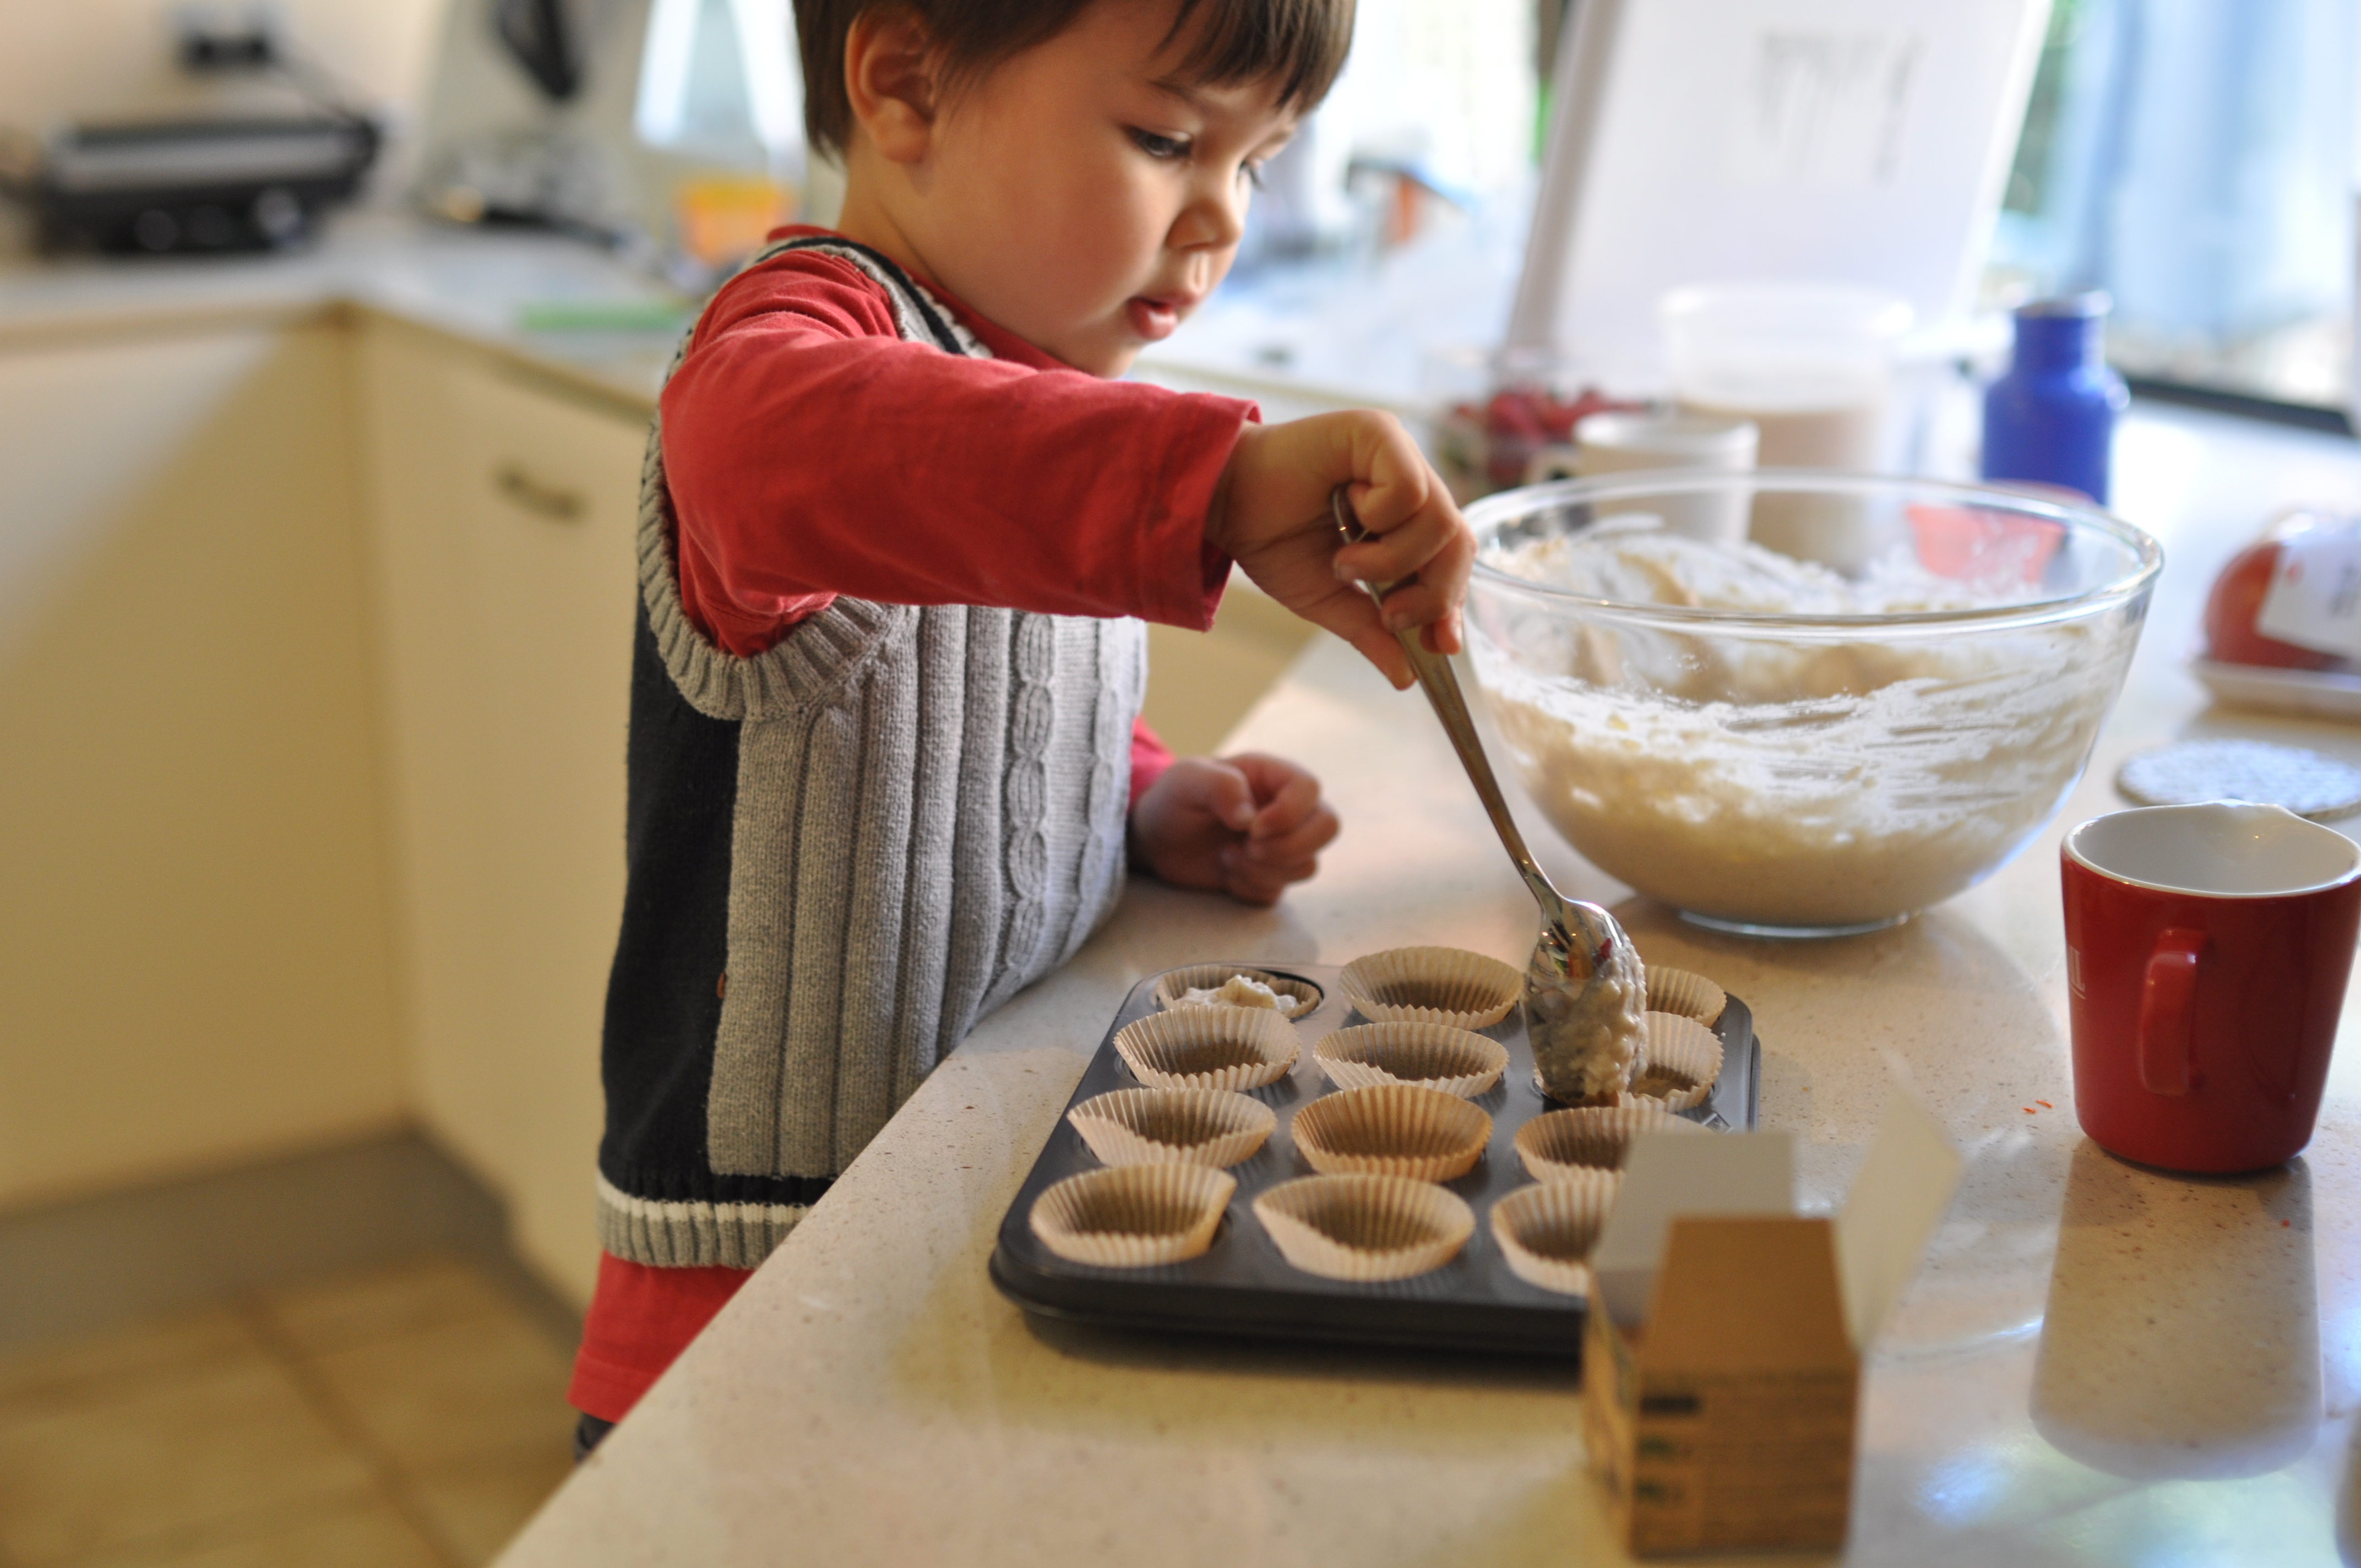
(476, 285)
(2098, 1365)
(469, 284)
(869, 1398)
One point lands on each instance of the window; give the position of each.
(2196, 160)
(717, 83)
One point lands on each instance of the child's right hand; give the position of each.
(1271, 516)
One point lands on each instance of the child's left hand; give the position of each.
(1247, 826)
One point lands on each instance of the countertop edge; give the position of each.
(388, 265)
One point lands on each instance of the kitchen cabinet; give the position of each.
(316, 592)
(503, 504)
(195, 968)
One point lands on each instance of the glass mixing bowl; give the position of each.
(1813, 740)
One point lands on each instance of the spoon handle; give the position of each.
(1436, 678)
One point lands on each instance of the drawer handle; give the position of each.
(544, 500)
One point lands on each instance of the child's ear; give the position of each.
(889, 76)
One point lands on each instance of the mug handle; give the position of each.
(2168, 1009)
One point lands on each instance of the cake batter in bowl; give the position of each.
(1775, 745)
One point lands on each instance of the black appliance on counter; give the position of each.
(188, 185)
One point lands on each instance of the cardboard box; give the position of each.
(1721, 1370)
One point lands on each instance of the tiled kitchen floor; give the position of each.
(410, 1415)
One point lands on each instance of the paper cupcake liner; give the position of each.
(1130, 1216)
(1547, 1233)
(1364, 1227)
(1690, 995)
(1392, 1129)
(1172, 984)
(1570, 1145)
(1192, 1126)
(1434, 1056)
(1209, 1048)
(1431, 986)
(1683, 1060)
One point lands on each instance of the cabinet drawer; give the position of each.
(549, 497)
(506, 509)
(547, 494)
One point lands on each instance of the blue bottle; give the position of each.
(2052, 417)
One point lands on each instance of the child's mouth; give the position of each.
(1153, 319)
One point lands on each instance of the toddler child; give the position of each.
(898, 523)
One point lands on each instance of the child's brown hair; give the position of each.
(1300, 44)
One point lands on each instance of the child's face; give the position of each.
(1081, 198)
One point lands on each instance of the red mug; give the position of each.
(2207, 948)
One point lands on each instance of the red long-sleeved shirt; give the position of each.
(810, 451)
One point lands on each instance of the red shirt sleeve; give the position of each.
(810, 451)
(1149, 757)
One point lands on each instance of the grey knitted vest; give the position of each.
(927, 814)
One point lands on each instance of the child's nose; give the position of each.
(1214, 218)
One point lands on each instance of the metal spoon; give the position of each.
(1585, 989)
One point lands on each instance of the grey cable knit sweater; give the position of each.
(843, 851)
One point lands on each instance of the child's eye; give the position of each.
(1251, 174)
(1169, 149)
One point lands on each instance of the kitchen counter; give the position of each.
(468, 284)
(2097, 1362)
(476, 285)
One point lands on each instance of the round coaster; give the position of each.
(2304, 782)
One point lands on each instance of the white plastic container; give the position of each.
(1625, 443)
(1811, 365)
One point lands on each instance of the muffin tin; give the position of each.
(1242, 1286)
